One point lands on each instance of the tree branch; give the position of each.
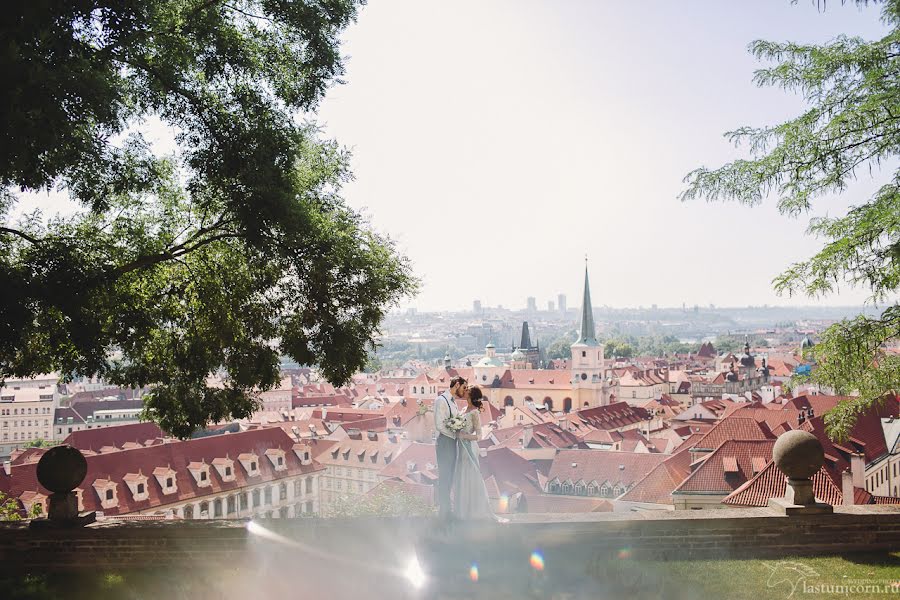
(20, 234)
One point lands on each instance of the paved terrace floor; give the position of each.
(600, 555)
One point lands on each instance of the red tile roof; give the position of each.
(657, 486)
(115, 466)
(624, 468)
(94, 439)
(713, 474)
(770, 483)
(734, 428)
(613, 416)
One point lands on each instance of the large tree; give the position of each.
(220, 257)
(852, 90)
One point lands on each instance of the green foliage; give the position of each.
(382, 501)
(618, 349)
(38, 444)
(222, 257)
(852, 89)
(560, 348)
(10, 510)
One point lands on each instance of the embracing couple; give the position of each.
(457, 454)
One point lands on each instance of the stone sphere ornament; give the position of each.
(798, 454)
(62, 469)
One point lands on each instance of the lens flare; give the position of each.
(625, 553)
(414, 573)
(537, 560)
(473, 573)
(504, 503)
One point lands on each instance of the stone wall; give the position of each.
(575, 539)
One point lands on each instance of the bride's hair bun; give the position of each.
(476, 396)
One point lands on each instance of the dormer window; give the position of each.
(200, 472)
(249, 461)
(302, 452)
(107, 491)
(165, 477)
(276, 457)
(225, 467)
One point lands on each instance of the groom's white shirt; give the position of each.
(444, 408)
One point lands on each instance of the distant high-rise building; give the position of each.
(532, 304)
(561, 302)
(476, 307)
(550, 306)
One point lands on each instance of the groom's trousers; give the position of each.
(445, 449)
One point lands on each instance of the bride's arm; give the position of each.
(476, 425)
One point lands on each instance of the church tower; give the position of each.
(588, 386)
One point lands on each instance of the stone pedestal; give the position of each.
(799, 455)
(786, 507)
(799, 491)
(61, 470)
(62, 506)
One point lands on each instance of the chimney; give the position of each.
(847, 488)
(563, 424)
(7, 467)
(527, 435)
(858, 469)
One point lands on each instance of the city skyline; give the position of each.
(533, 139)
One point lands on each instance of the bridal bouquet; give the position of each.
(455, 423)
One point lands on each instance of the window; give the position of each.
(268, 493)
(109, 494)
(217, 508)
(280, 461)
(339, 484)
(202, 475)
(282, 491)
(231, 505)
(140, 488)
(309, 507)
(204, 508)
(227, 471)
(189, 512)
(309, 482)
(252, 467)
(298, 487)
(584, 354)
(283, 512)
(169, 482)
(255, 498)
(360, 485)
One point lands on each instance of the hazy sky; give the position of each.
(499, 141)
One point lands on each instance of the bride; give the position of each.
(470, 494)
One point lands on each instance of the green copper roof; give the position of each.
(588, 335)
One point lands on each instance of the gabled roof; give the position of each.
(657, 486)
(734, 428)
(727, 467)
(770, 483)
(624, 468)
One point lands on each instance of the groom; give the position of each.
(444, 408)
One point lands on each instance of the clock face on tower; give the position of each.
(583, 376)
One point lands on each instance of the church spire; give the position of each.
(588, 332)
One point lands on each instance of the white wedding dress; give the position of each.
(470, 494)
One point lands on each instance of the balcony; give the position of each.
(582, 555)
